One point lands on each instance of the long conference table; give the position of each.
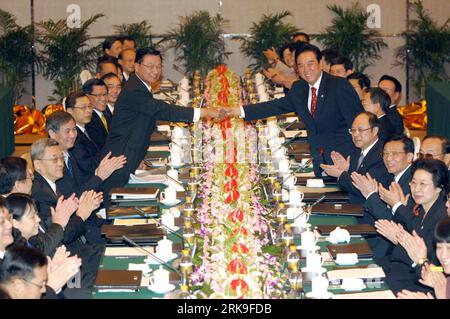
(124, 262)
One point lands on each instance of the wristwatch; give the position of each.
(422, 261)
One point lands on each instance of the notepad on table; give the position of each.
(127, 251)
(161, 148)
(133, 221)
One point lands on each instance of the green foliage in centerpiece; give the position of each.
(270, 32)
(198, 42)
(427, 48)
(15, 53)
(65, 53)
(141, 32)
(350, 35)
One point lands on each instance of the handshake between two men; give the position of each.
(220, 113)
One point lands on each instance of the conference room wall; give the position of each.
(310, 16)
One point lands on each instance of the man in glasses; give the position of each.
(381, 203)
(136, 112)
(367, 159)
(435, 147)
(98, 127)
(24, 273)
(49, 162)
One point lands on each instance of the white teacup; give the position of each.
(289, 182)
(300, 218)
(177, 132)
(319, 286)
(279, 153)
(339, 235)
(168, 220)
(293, 211)
(314, 261)
(164, 247)
(175, 159)
(176, 147)
(284, 195)
(169, 195)
(160, 277)
(295, 197)
(175, 212)
(284, 165)
(308, 239)
(173, 173)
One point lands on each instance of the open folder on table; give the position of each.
(134, 193)
(118, 279)
(362, 249)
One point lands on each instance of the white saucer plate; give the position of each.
(174, 228)
(320, 271)
(328, 295)
(171, 203)
(346, 263)
(161, 290)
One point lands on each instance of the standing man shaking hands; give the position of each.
(326, 104)
(136, 113)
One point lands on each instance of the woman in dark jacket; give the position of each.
(415, 244)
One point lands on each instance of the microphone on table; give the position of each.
(170, 230)
(319, 200)
(148, 253)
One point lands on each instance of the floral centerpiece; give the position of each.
(233, 228)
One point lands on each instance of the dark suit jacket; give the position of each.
(134, 120)
(387, 130)
(86, 154)
(46, 198)
(373, 164)
(337, 106)
(401, 273)
(380, 210)
(96, 130)
(108, 114)
(396, 120)
(68, 184)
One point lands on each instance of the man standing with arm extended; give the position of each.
(326, 104)
(136, 113)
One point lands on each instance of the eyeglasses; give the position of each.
(114, 86)
(358, 130)
(40, 286)
(99, 95)
(54, 160)
(84, 108)
(415, 185)
(393, 154)
(428, 155)
(152, 66)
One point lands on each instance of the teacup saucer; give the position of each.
(165, 258)
(308, 248)
(161, 289)
(177, 166)
(328, 295)
(177, 201)
(319, 271)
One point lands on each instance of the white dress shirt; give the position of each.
(52, 184)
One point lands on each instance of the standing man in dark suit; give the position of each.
(393, 88)
(326, 104)
(136, 112)
(398, 154)
(367, 159)
(99, 126)
(377, 102)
